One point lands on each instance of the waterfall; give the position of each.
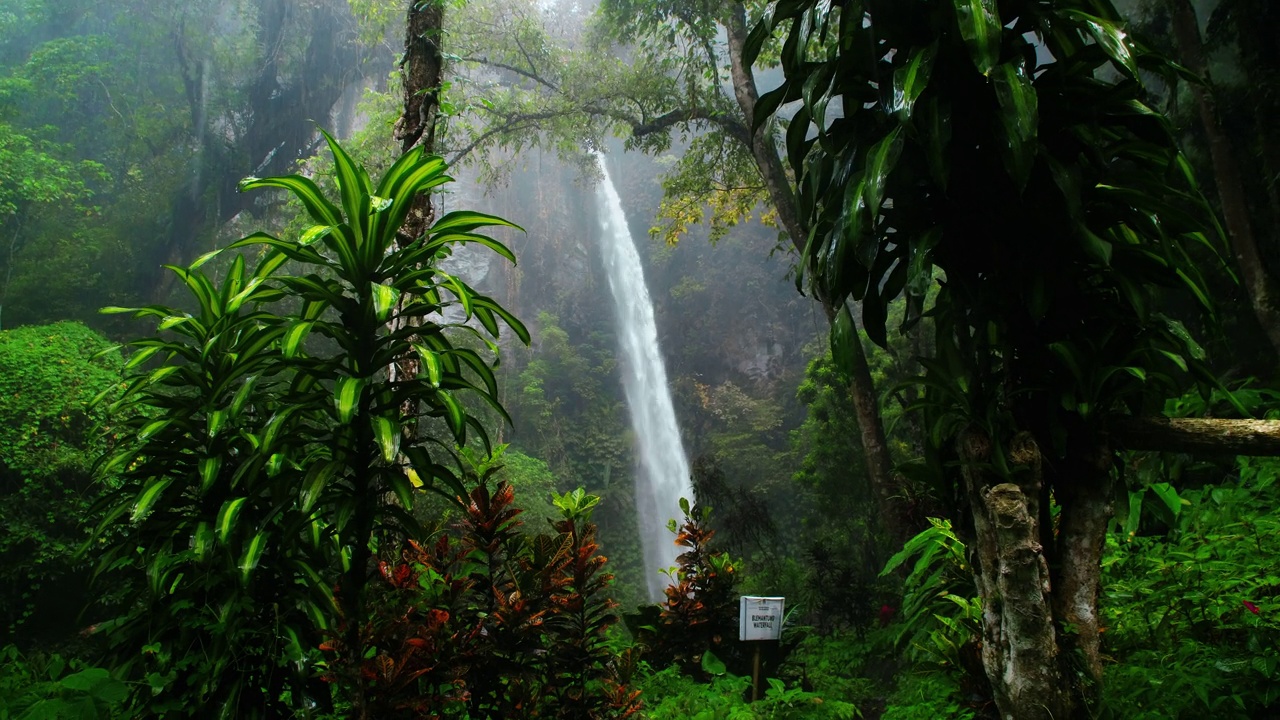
(663, 476)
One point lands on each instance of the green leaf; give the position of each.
(1111, 39)
(910, 80)
(346, 397)
(386, 431)
(880, 162)
(313, 486)
(713, 665)
(401, 486)
(148, 497)
(979, 22)
(317, 206)
(454, 415)
(843, 334)
(353, 186)
(227, 517)
(1168, 496)
(292, 339)
(209, 468)
(430, 364)
(203, 540)
(385, 298)
(252, 554)
(314, 233)
(1020, 116)
(464, 221)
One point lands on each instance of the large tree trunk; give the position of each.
(1020, 644)
(1263, 293)
(880, 469)
(423, 68)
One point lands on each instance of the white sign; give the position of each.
(759, 618)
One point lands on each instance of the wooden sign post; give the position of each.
(759, 620)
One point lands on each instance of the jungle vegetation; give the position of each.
(309, 385)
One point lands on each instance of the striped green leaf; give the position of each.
(910, 80)
(253, 553)
(209, 468)
(292, 339)
(385, 298)
(313, 486)
(464, 221)
(314, 233)
(228, 515)
(430, 363)
(401, 486)
(979, 22)
(346, 397)
(148, 497)
(454, 415)
(317, 206)
(203, 540)
(386, 432)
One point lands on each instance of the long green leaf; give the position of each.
(880, 162)
(910, 80)
(454, 415)
(313, 486)
(228, 515)
(979, 22)
(465, 221)
(354, 188)
(346, 397)
(317, 206)
(292, 339)
(385, 298)
(253, 553)
(1020, 116)
(386, 431)
(209, 468)
(148, 497)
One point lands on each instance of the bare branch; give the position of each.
(519, 71)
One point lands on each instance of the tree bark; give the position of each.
(1020, 651)
(1197, 435)
(1084, 492)
(762, 145)
(1262, 289)
(423, 67)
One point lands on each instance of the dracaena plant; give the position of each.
(258, 469)
(1008, 150)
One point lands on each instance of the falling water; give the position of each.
(664, 471)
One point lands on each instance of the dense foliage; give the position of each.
(258, 469)
(288, 495)
(49, 377)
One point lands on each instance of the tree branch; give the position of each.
(675, 117)
(1197, 435)
(519, 71)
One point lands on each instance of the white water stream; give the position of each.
(663, 475)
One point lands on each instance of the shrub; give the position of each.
(49, 376)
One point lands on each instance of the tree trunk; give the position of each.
(880, 469)
(1235, 210)
(1020, 652)
(423, 68)
(1084, 492)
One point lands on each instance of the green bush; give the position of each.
(48, 439)
(671, 695)
(52, 688)
(1191, 616)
